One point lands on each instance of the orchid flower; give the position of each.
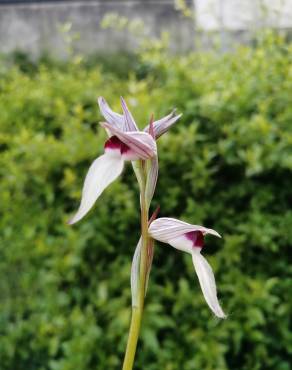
(190, 238)
(125, 143)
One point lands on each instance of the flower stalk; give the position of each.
(137, 311)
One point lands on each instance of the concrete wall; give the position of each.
(34, 26)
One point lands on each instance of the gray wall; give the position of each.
(35, 27)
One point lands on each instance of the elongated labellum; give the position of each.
(103, 171)
(207, 282)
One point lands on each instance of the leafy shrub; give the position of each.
(65, 292)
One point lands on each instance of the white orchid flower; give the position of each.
(126, 143)
(190, 238)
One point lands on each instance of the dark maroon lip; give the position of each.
(197, 237)
(115, 143)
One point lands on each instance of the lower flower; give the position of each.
(190, 238)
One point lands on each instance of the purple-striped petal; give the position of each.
(115, 119)
(130, 124)
(103, 171)
(166, 229)
(142, 144)
(164, 124)
(207, 283)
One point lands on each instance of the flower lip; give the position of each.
(114, 143)
(102, 172)
(197, 237)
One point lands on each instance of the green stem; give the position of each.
(138, 311)
(133, 338)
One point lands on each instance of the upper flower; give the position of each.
(125, 143)
(190, 238)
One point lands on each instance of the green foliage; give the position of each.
(65, 292)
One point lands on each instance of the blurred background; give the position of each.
(65, 291)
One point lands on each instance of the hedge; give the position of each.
(64, 291)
